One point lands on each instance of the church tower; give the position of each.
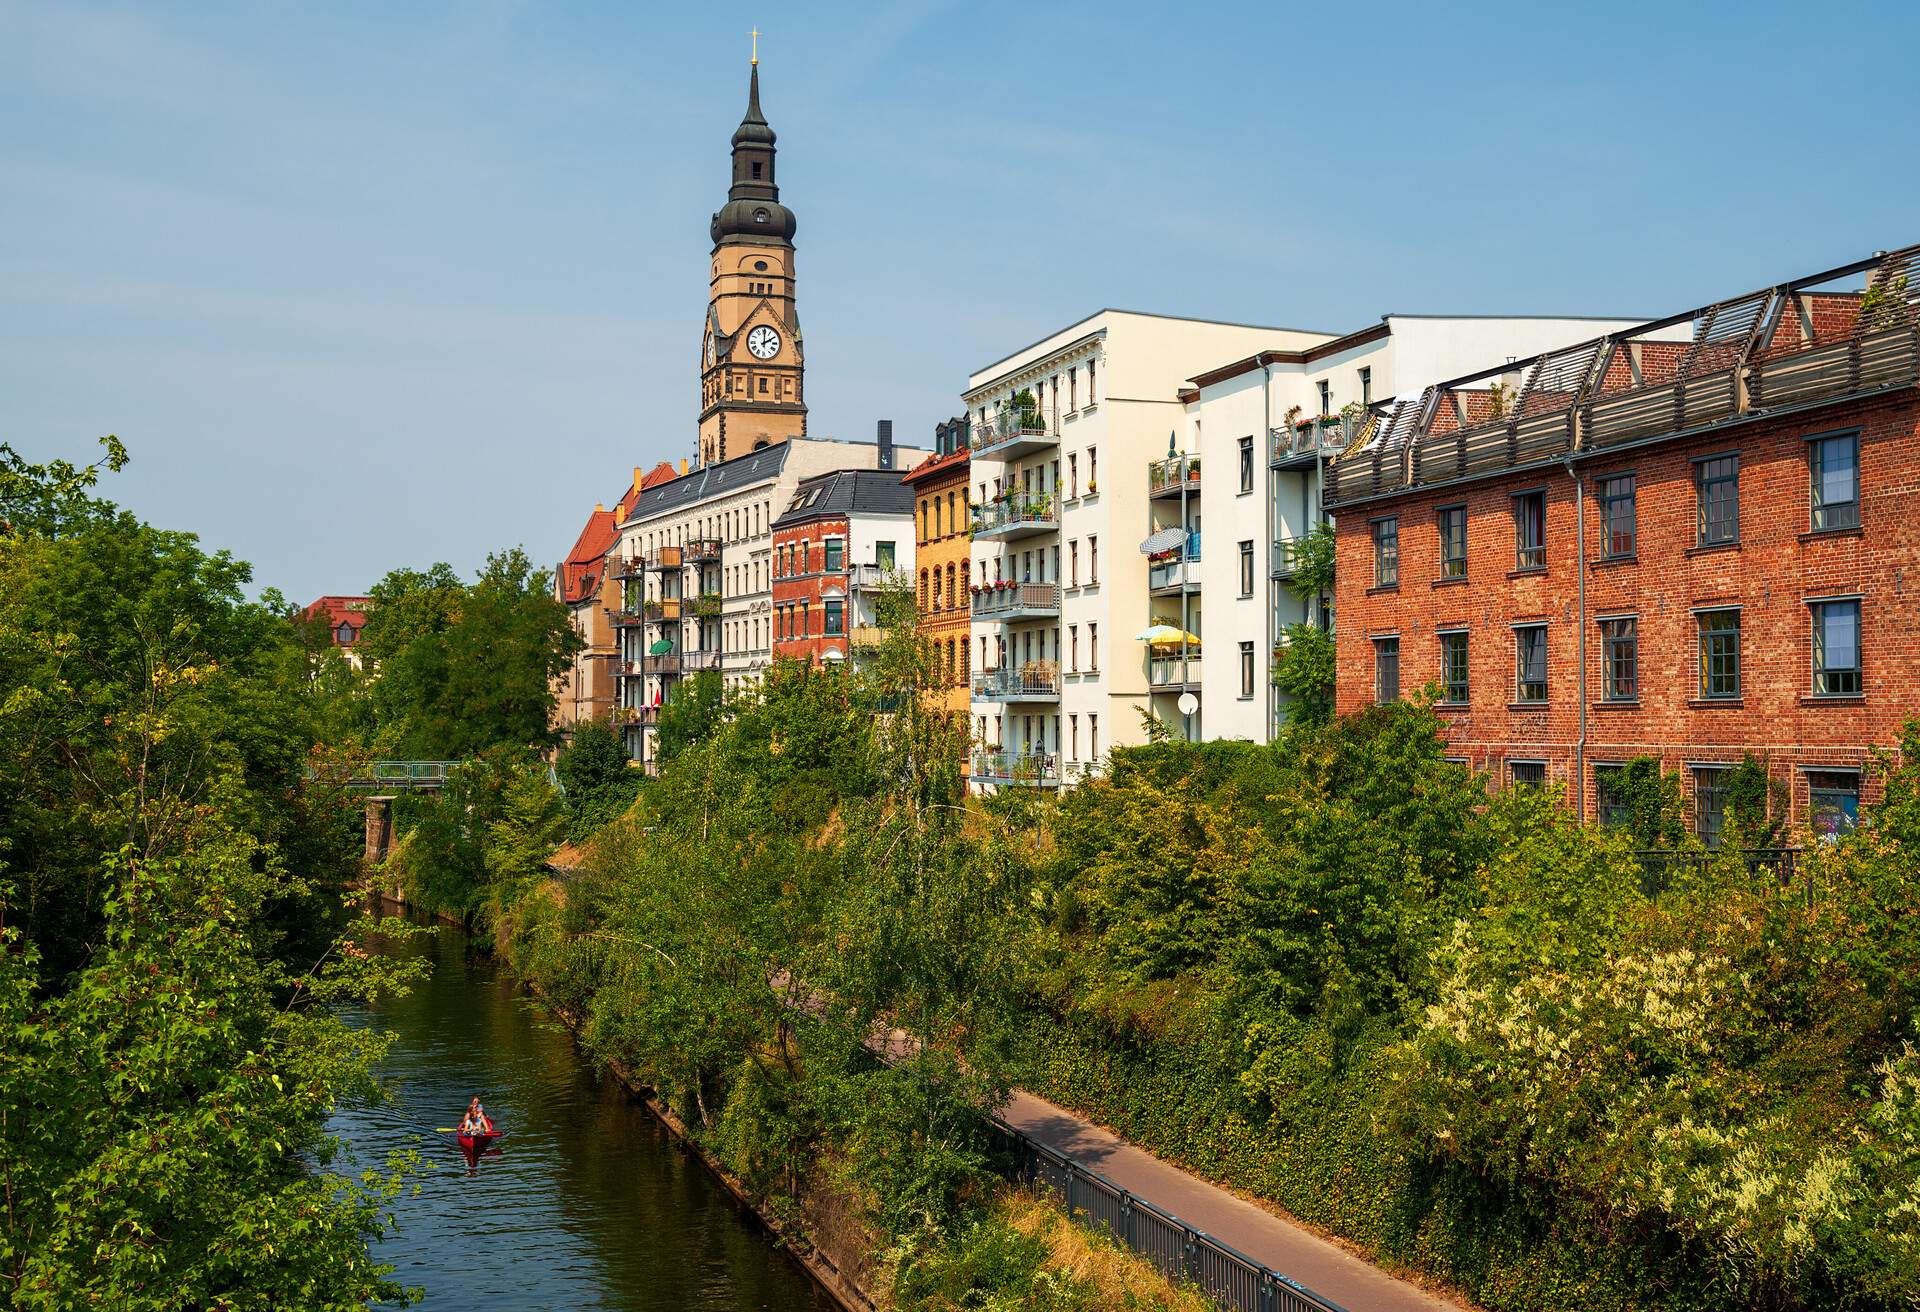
(752, 388)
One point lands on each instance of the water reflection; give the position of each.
(584, 1201)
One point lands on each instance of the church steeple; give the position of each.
(752, 362)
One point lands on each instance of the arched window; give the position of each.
(936, 516)
(964, 660)
(953, 523)
(936, 589)
(923, 590)
(953, 596)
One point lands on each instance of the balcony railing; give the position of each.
(630, 715)
(875, 578)
(1035, 769)
(706, 605)
(627, 567)
(1326, 436)
(1016, 601)
(1287, 556)
(627, 619)
(1011, 433)
(665, 663)
(867, 635)
(1166, 478)
(1031, 681)
(1174, 671)
(666, 558)
(1176, 570)
(1807, 342)
(663, 608)
(692, 662)
(702, 551)
(1017, 515)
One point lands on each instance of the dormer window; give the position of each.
(759, 216)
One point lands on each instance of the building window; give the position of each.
(836, 552)
(1073, 563)
(1709, 803)
(1093, 646)
(763, 387)
(1453, 668)
(1073, 648)
(1619, 660)
(1093, 736)
(1719, 654)
(1073, 388)
(1835, 466)
(1836, 648)
(1386, 553)
(1090, 368)
(1326, 397)
(1366, 386)
(1246, 669)
(1833, 798)
(1093, 559)
(1616, 517)
(1453, 542)
(883, 555)
(1530, 662)
(1527, 774)
(1718, 494)
(1530, 530)
(1246, 464)
(1073, 475)
(1612, 807)
(1093, 471)
(1246, 568)
(1386, 670)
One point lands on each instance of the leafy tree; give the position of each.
(1757, 806)
(1305, 672)
(53, 500)
(599, 780)
(1651, 801)
(693, 711)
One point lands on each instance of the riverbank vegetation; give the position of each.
(173, 931)
(1453, 1027)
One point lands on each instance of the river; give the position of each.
(588, 1204)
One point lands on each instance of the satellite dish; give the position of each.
(1188, 703)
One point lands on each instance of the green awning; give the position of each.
(660, 647)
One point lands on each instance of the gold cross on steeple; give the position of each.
(755, 34)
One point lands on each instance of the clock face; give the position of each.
(764, 342)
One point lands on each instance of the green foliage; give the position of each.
(1305, 672)
(53, 500)
(1757, 806)
(464, 668)
(599, 780)
(1313, 556)
(692, 713)
(1654, 813)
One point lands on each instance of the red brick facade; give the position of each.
(1772, 571)
(805, 592)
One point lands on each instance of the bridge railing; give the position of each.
(402, 774)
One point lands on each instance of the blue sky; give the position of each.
(369, 284)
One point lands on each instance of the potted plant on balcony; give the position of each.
(1027, 411)
(1193, 469)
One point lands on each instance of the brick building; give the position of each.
(1687, 540)
(844, 538)
(585, 584)
(943, 560)
(344, 618)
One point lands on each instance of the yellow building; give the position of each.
(943, 566)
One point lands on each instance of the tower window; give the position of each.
(756, 169)
(759, 216)
(759, 266)
(763, 387)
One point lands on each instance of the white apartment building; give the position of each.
(1060, 433)
(1255, 437)
(695, 559)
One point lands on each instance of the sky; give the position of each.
(366, 285)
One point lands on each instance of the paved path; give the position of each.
(1296, 1253)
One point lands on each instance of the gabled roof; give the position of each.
(935, 464)
(707, 482)
(580, 571)
(846, 494)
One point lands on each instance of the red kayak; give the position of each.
(473, 1143)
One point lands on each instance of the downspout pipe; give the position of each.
(1580, 561)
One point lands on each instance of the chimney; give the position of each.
(599, 508)
(683, 466)
(636, 476)
(883, 434)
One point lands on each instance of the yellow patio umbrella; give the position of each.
(1166, 635)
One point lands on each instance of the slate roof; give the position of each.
(847, 493)
(708, 482)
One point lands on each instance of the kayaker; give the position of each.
(477, 1122)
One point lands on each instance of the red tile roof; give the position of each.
(580, 571)
(338, 610)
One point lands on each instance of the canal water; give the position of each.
(588, 1203)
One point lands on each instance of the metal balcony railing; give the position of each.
(1328, 435)
(627, 567)
(692, 662)
(702, 551)
(664, 558)
(665, 663)
(1166, 478)
(1286, 556)
(1016, 514)
(663, 608)
(706, 605)
(1011, 432)
(1176, 569)
(1016, 601)
(875, 578)
(1174, 671)
(1035, 769)
(1031, 681)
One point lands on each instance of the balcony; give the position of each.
(1310, 439)
(632, 715)
(1174, 673)
(1033, 681)
(866, 636)
(1008, 601)
(1173, 477)
(627, 619)
(628, 669)
(628, 567)
(667, 662)
(665, 608)
(1012, 433)
(876, 578)
(1171, 572)
(705, 606)
(1032, 769)
(702, 551)
(1017, 515)
(693, 662)
(1287, 556)
(667, 558)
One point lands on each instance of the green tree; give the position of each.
(1305, 672)
(599, 780)
(693, 711)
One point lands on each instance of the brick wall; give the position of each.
(1776, 565)
(808, 584)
